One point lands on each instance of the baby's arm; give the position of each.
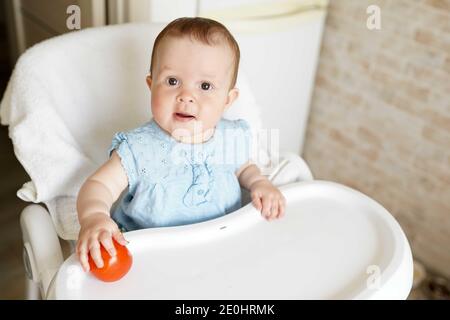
(265, 196)
(94, 202)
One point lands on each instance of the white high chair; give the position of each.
(67, 97)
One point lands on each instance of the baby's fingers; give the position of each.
(267, 204)
(282, 208)
(274, 210)
(94, 251)
(256, 200)
(106, 241)
(82, 256)
(118, 236)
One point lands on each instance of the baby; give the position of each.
(182, 166)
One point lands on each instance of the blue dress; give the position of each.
(172, 183)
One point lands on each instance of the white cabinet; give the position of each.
(166, 11)
(159, 11)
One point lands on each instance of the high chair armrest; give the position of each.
(42, 250)
(291, 168)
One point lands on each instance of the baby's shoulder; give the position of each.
(146, 132)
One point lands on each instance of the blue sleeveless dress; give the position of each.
(172, 183)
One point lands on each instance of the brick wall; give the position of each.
(380, 115)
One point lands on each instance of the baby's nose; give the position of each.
(185, 97)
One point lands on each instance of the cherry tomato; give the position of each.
(114, 268)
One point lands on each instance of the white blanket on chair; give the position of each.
(66, 98)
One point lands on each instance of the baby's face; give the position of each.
(190, 87)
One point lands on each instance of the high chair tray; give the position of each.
(333, 243)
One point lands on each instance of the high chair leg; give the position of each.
(42, 251)
(31, 290)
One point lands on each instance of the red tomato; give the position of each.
(114, 268)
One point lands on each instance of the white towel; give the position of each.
(66, 98)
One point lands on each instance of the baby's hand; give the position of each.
(97, 229)
(268, 199)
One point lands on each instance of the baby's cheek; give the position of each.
(157, 105)
(156, 100)
(213, 109)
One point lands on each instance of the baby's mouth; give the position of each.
(183, 116)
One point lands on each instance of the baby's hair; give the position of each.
(206, 31)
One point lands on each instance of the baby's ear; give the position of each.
(148, 79)
(232, 96)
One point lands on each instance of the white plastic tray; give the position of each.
(333, 243)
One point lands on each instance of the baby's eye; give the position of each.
(206, 86)
(172, 81)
